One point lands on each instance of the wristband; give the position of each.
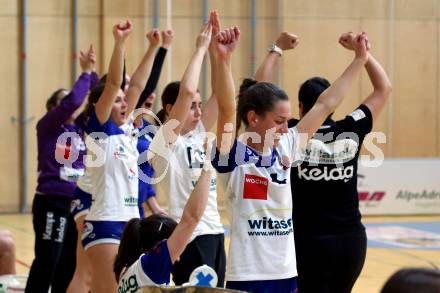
(276, 49)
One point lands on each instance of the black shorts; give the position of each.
(204, 249)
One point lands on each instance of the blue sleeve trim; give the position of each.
(157, 264)
(239, 154)
(109, 127)
(224, 163)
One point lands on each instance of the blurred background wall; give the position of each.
(405, 38)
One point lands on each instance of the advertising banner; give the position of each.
(400, 187)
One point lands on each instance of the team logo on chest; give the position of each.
(327, 174)
(255, 187)
(120, 152)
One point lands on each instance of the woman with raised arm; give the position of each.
(82, 200)
(254, 169)
(181, 169)
(148, 96)
(151, 245)
(82, 197)
(59, 166)
(331, 242)
(146, 129)
(114, 173)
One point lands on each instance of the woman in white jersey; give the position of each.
(254, 169)
(113, 145)
(182, 103)
(80, 208)
(150, 246)
(330, 240)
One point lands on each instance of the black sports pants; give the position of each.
(330, 263)
(204, 249)
(55, 245)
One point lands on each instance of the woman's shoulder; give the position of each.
(109, 127)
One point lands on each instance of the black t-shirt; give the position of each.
(324, 182)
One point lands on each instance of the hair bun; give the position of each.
(246, 84)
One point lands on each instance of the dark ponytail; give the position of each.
(247, 83)
(139, 236)
(53, 100)
(162, 116)
(259, 97)
(130, 247)
(154, 229)
(93, 98)
(103, 79)
(169, 97)
(124, 81)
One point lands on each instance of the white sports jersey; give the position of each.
(183, 168)
(115, 180)
(152, 268)
(260, 205)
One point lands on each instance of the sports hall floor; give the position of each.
(394, 242)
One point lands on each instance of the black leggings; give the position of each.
(55, 243)
(330, 263)
(204, 249)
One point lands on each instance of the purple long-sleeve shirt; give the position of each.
(55, 178)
